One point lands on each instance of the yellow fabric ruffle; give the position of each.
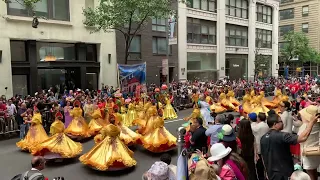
(149, 126)
(131, 116)
(60, 144)
(95, 126)
(56, 127)
(260, 108)
(217, 108)
(168, 112)
(160, 136)
(128, 136)
(78, 127)
(109, 151)
(35, 136)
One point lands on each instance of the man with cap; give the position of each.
(252, 117)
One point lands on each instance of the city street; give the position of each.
(13, 161)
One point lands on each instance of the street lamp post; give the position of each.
(168, 46)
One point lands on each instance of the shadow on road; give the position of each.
(108, 173)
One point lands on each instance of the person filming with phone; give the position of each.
(275, 144)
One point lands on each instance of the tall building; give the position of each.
(60, 53)
(300, 16)
(150, 46)
(219, 38)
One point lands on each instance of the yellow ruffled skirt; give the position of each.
(78, 127)
(169, 112)
(109, 154)
(58, 144)
(160, 140)
(217, 108)
(95, 126)
(35, 136)
(260, 108)
(131, 116)
(148, 125)
(128, 136)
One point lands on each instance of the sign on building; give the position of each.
(165, 68)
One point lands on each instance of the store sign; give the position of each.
(235, 65)
(165, 68)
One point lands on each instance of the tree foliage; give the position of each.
(297, 46)
(28, 4)
(126, 16)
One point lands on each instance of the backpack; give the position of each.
(29, 175)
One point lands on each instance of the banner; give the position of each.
(173, 38)
(132, 77)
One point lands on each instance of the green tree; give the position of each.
(28, 4)
(297, 46)
(126, 16)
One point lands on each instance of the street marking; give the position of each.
(171, 121)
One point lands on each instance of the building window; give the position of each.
(159, 46)
(135, 48)
(283, 30)
(305, 11)
(236, 66)
(18, 51)
(236, 35)
(206, 5)
(92, 52)
(263, 38)
(20, 84)
(201, 31)
(285, 1)
(51, 9)
(286, 14)
(237, 8)
(159, 24)
(305, 27)
(91, 81)
(263, 13)
(56, 52)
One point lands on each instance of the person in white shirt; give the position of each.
(286, 117)
(259, 128)
(12, 110)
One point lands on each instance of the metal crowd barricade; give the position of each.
(8, 125)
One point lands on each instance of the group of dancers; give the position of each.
(109, 125)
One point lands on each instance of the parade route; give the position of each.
(13, 161)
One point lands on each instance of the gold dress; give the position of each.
(131, 114)
(58, 145)
(266, 102)
(96, 123)
(109, 154)
(108, 110)
(215, 106)
(277, 98)
(78, 126)
(247, 106)
(128, 136)
(232, 99)
(152, 115)
(123, 112)
(194, 115)
(88, 110)
(35, 135)
(260, 107)
(225, 102)
(140, 112)
(158, 140)
(169, 112)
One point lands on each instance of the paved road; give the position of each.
(13, 161)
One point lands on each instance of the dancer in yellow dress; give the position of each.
(216, 107)
(109, 154)
(131, 114)
(277, 98)
(191, 119)
(152, 114)
(246, 104)
(260, 108)
(232, 99)
(108, 109)
(158, 140)
(128, 136)
(169, 112)
(225, 102)
(266, 102)
(58, 146)
(78, 127)
(96, 122)
(140, 112)
(36, 133)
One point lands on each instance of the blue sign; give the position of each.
(132, 76)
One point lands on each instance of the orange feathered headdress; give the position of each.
(76, 102)
(59, 115)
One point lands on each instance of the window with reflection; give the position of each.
(135, 48)
(160, 46)
(263, 38)
(159, 24)
(236, 35)
(92, 81)
(286, 14)
(237, 8)
(92, 52)
(18, 50)
(206, 5)
(51, 9)
(201, 31)
(264, 13)
(283, 30)
(56, 52)
(20, 85)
